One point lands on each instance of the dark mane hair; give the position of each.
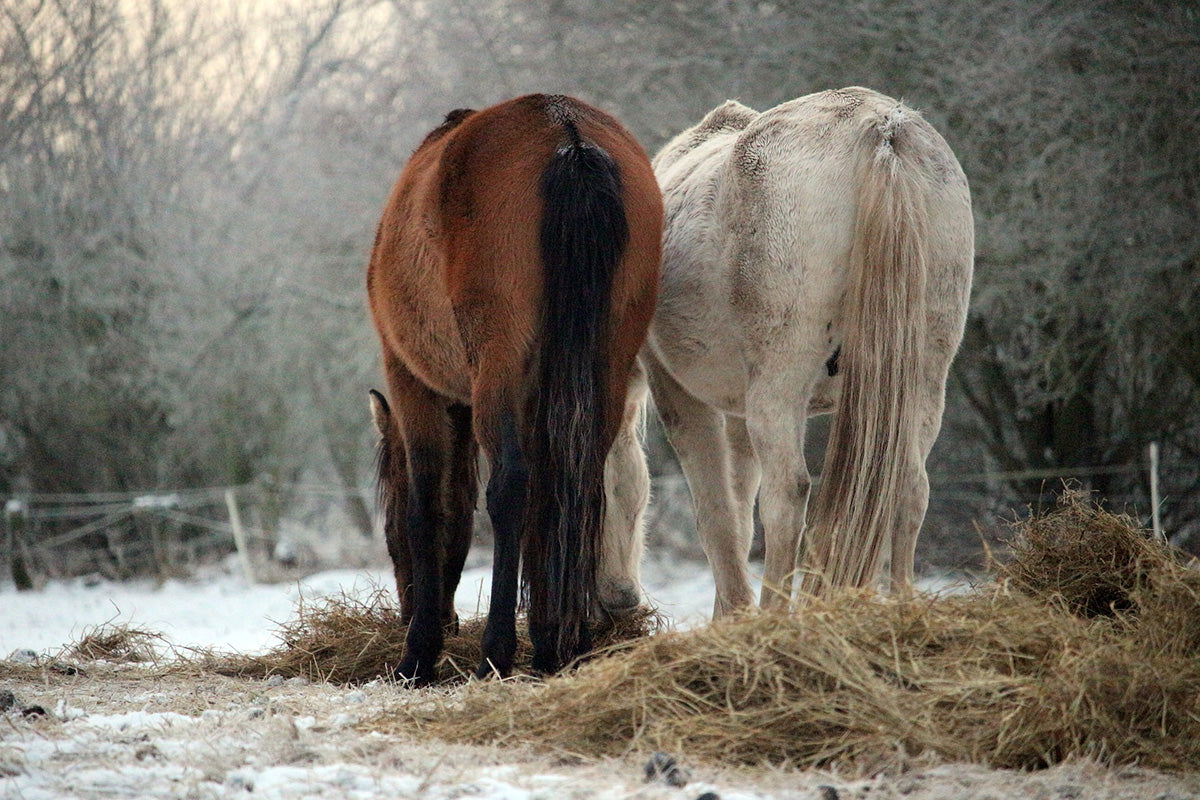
(452, 121)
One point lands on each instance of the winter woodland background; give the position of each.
(188, 193)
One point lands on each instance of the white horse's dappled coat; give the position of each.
(817, 257)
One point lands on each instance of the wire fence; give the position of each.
(163, 533)
(166, 532)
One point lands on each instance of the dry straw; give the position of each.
(345, 639)
(1085, 643)
(117, 644)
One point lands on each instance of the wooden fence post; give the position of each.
(239, 535)
(16, 512)
(268, 511)
(1155, 521)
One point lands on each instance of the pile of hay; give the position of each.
(1081, 555)
(344, 639)
(1087, 643)
(116, 643)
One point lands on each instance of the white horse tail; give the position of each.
(873, 439)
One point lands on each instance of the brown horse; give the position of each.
(514, 275)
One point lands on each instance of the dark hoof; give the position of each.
(499, 650)
(414, 672)
(489, 669)
(544, 666)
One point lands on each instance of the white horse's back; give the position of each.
(821, 248)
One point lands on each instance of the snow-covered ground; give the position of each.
(121, 731)
(132, 742)
(223, 612)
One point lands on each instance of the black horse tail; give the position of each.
(584, 235)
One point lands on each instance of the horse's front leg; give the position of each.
(393, 499)
(422, 417)
(627, 489)
(461, 492)
(914, 491)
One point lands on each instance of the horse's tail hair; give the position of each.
(873, 436)
(584, 234)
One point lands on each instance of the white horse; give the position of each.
(817, 258)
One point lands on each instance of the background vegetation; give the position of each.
(188, 194)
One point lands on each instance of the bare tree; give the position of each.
(190, 193)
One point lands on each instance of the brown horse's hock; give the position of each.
(512, 282)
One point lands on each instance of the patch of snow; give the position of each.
(225, 613)
(137, 721)
(277, 744)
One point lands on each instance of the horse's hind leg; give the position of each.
(627, 488)
(914, 489)
(777, 432)
(461, 491)
(506, 492)
(711, 458)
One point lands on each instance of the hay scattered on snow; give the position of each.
(1087, 644)
(344, 639)
(118, 644)
(111, 643)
